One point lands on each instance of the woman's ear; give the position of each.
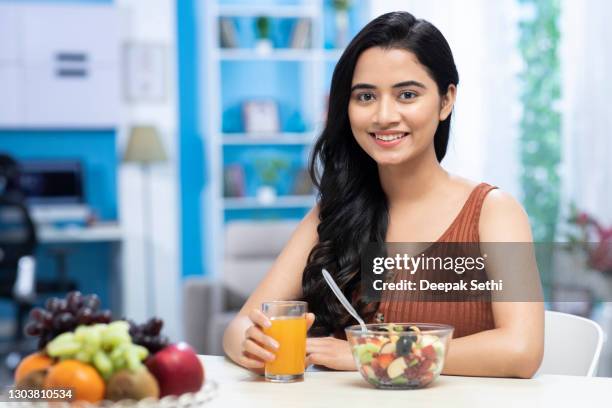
(447, 102)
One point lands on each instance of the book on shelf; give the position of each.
(227, 33)
(300, 37)
(302, 185)
(233, 181)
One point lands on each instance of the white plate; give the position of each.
(190, 399)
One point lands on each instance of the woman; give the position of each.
(391, 100)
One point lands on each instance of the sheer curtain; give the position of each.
(586, 60)
(483, 36)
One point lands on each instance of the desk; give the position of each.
(239, 388)
(104, 232)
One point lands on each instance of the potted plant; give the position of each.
(269, 174)
(264, 43)
(583, 268)
(593, 238)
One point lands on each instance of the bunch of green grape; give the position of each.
(108, 347)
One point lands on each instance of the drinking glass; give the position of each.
(289, 330)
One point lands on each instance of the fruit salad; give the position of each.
(400, 357)
(83, 349)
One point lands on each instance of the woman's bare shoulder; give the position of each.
(503, 219)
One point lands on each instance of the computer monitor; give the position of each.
(52, 181)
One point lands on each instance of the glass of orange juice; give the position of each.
(289, 330)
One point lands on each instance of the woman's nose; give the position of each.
(386, 113)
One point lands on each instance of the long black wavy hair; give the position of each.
(353, 208)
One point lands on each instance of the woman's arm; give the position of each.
(243, 340)
(516, 345)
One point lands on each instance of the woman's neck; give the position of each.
(413, 180)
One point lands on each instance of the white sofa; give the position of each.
(209, 305)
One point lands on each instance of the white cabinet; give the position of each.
(9, 44)
(11, 97)
(59, 66)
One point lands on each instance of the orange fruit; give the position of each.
(83, 379)
(31, 363)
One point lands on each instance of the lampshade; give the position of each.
(144, 146)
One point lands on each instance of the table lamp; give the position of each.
(145, 148)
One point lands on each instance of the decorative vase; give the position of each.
(264, 46)
(266, 194)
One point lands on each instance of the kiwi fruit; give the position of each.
(134, 385)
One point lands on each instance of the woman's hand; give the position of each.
(257, 347)
(330, 352)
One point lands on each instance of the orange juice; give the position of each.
(290, 333)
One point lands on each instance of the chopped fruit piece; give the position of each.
(428, 352)
(388, 348)
(439, 347)
(413, 362)
(384, 360)
(425, 365)
(426, 378)
(399, 380)
(365, 351)
(368, 371)
(428, 339)
(396, 368)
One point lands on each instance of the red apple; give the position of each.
(177, 369)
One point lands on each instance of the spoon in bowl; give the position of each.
(347, 305)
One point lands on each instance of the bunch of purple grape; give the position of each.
(64, 315)
(148, 334)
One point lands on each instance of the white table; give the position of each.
(237, 387)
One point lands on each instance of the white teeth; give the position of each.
(388, 138)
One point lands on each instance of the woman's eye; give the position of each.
(407, 95)
(365, 97)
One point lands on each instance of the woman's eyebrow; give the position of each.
(409, 83)
(398, 85)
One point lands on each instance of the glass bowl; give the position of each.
(400, 355)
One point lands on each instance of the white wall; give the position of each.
(152, 21)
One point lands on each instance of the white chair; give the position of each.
(572, 345)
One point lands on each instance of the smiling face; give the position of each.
(395, 106)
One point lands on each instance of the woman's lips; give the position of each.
(388, 139)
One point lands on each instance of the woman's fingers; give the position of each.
(310, 318)
(258, 351)
(318, 359)
(257, 335)
(259, 318)
(249, 361)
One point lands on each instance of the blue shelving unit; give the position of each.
(293, 70)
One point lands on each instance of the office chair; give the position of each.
(18, 242)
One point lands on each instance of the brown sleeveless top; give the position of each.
(468, 317)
